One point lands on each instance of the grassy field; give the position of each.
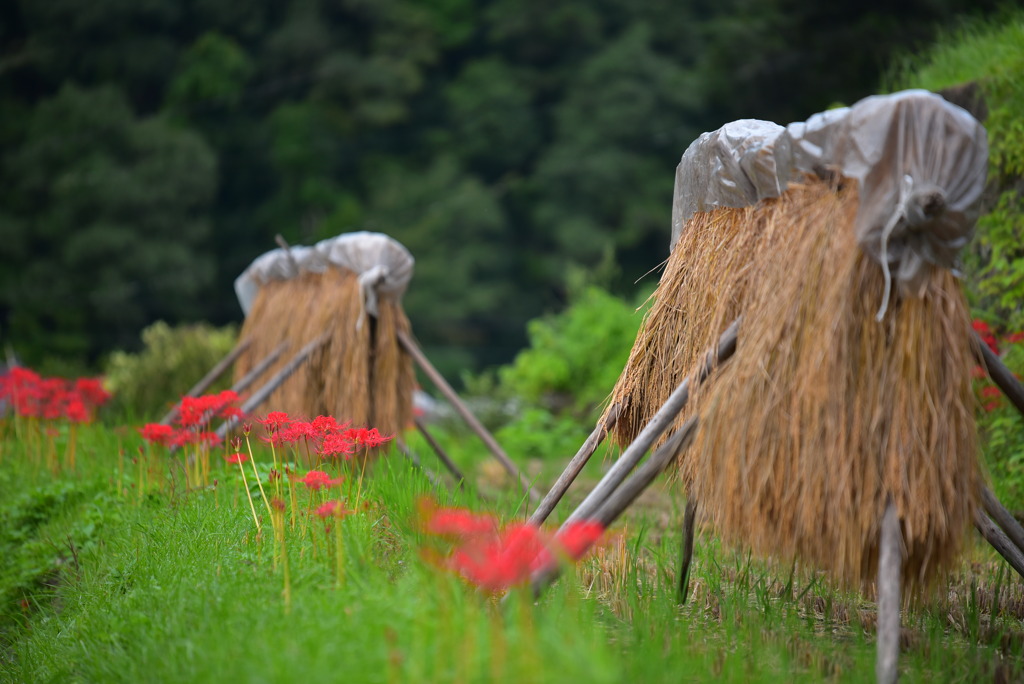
(117, 571)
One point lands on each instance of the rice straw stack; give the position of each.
(823, 413)
(359, 375)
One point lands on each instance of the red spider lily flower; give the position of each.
(274, 421)
(296, 432)
(990, 392)
(333, 509)
(76, 412)
(991, 406)
(978, 372)
(337, 445)
(500, 562)
(237, 458)
(315, 479)
(579, 536)
(157, 433)
(368, 438)
(327, 424)
(1014, 338)
(231, 412)
(985, 333)
(209, 438)
(92, 392)
(195, 411)
(459, 522)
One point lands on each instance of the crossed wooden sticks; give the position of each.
(614, 493)
(408, 344)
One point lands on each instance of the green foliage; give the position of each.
(997, 263)
(990, 53)
(178, 587)
(212, 75)
(519, 135)
(1001, 428)
(574, 357)
(148, 382)
(102, 217)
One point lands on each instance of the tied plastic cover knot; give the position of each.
(368, 282)
(899, 214)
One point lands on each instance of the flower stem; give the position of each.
(266, 501)
(245, 483)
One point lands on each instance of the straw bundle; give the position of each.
(824, 413)
(359, 375)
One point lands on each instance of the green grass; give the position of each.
(103, 584)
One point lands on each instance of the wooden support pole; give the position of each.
(568, 476)
(999, 541)
(261, 395)
(625, 495)
(475, 425)
(686, 557)
(1001, 375)
(259, 369)
(890, 561)
(441, 454)
(658, 424)
(210, 377)
(1003, 518)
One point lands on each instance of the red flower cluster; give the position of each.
(324, 435)
(496, 559)
(333, 509)
(194, 413)
(315, 479)
(990, 395)
(986, 334)
(52, 398)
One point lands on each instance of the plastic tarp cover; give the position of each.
(383, 265)
(920, 162)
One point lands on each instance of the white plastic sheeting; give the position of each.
(383, 265)
(921, 165)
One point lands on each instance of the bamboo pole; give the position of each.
(261, 395)
(625, 495)
(686, 557)
(657, 425)
(256, 371)
(572, 471)
(890, 559)
(1001, 375)
(999, 541)
(210, 377)
(441, 454)
(1003, 518)
(475, 425)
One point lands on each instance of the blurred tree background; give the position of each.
(150, 149)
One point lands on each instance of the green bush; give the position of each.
(574, 357)
(173, 359)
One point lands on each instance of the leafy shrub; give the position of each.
(574, 357)
(172, 360)
(1001, 427)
